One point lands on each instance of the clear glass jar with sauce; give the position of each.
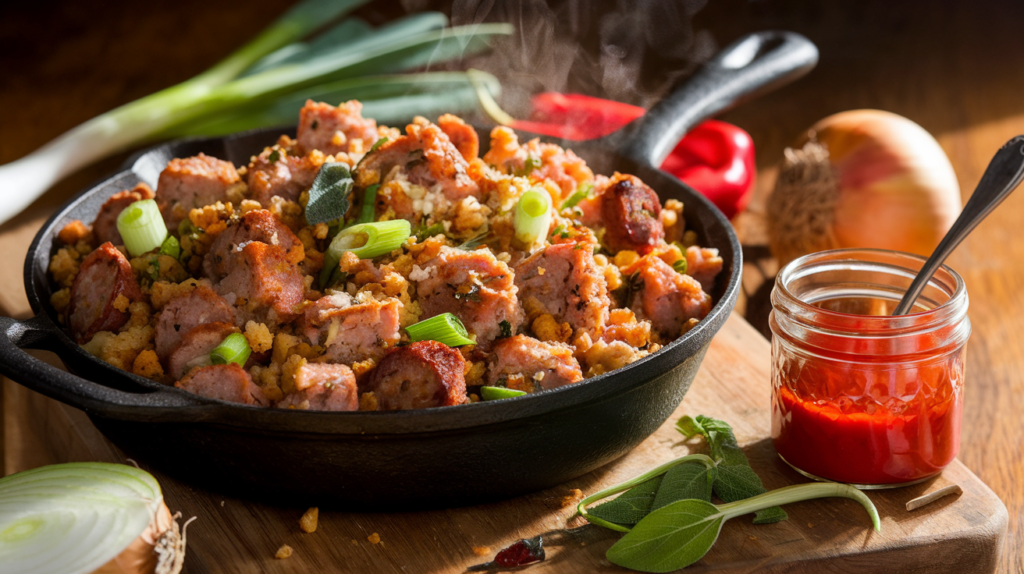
(859, 396)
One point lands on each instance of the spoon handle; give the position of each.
(1003, 175)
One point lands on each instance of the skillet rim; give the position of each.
(667, 359)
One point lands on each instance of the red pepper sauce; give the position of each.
(871, 423)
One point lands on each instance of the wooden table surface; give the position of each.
(956, 68)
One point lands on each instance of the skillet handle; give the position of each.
(754, 64)
(70, 389)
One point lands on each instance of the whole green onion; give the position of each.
(233, 349)
(533, 215)
(141, 227)
(496, 393)
(444, 328)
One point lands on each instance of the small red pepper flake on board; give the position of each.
(522, 552)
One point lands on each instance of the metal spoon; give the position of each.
(1003, 175)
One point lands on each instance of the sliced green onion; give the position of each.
(233, 349)
(369, 212)
(141, 227)
(579, 195)
(680, 266)
(496, 393)
(74, 518)
(533, 216)
(369, 240)
(444, 328)
(171, 247)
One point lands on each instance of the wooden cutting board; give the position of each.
(955, 534)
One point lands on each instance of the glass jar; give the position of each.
(859, 396)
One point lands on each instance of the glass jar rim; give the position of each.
(952, 309)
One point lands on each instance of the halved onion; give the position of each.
(79, 518)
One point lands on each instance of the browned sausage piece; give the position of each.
(419, 376)
(283, 175)
(193, 182)
(331, 129)
(105, 225)
(463, 136)
(225, 382)
(667, 298)
(197, 344)
(541, 365)
(631, 212)
(258, 225)
(703, 264)
(567, 281)
(323, 387)
(104, 275)
(184, 313)
(474, 286)
(352, 329)
(263, 284)
(427, 158)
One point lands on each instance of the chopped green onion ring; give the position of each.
(444, 328)
(533, 216)
(496, 393)
(233, 349)
(369, 240)
(141, 227)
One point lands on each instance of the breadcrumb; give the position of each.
(546, 328)
(148, 365)
(259, 337)
(482, 550)
(73, 232)
(374, 538)
(625, 258)
(367, 402)
(64, 266)
(61, 299)
(309, 519)
(283, 552)
(121, 302)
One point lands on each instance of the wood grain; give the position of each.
(954, 535)
(956, 68)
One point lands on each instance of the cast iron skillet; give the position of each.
(424, 458)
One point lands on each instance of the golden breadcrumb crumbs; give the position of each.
(287, 212)
(259, 337)
(475, 372)
(547, 328)
(374, 538)
(121, 302)
(362, 368)
(205, 217)
(247, 205)
(283, 552)
(339, 139)
(162, 292)
(236, 192)
(288, 369)
(148, 365)
(73, 233)
(367, 402)
(309, 519)
(120, 350)
(533, 307)
(61, 299)
(668, 217)
(690, 238)
(474, 398)
(482, 550)
(141, 314)
(64, 266)
(541, 270)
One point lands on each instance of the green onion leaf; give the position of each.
(583, 192)
(369, 240)
(533, 216)
(680, 266)
(328, 198)
(444, 328)
(426, 232)
(233, 349)
(497, 393)
(369, 209)
(171, 247)
(141, 227)
(376, 145)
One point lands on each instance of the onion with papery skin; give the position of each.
(82, 518)
(862, 178)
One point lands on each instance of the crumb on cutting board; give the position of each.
(374, 538)
(283, 552)
(308, 521)
(559, 502)
(482, 550)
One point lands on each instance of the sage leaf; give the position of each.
(631, 506)
(681, 533)
(669, 538)
(328, 198)
(689, 480)
(736, 480)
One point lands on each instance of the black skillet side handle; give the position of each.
(754, 64)
(76, 391)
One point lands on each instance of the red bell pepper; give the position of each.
(715, 158)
